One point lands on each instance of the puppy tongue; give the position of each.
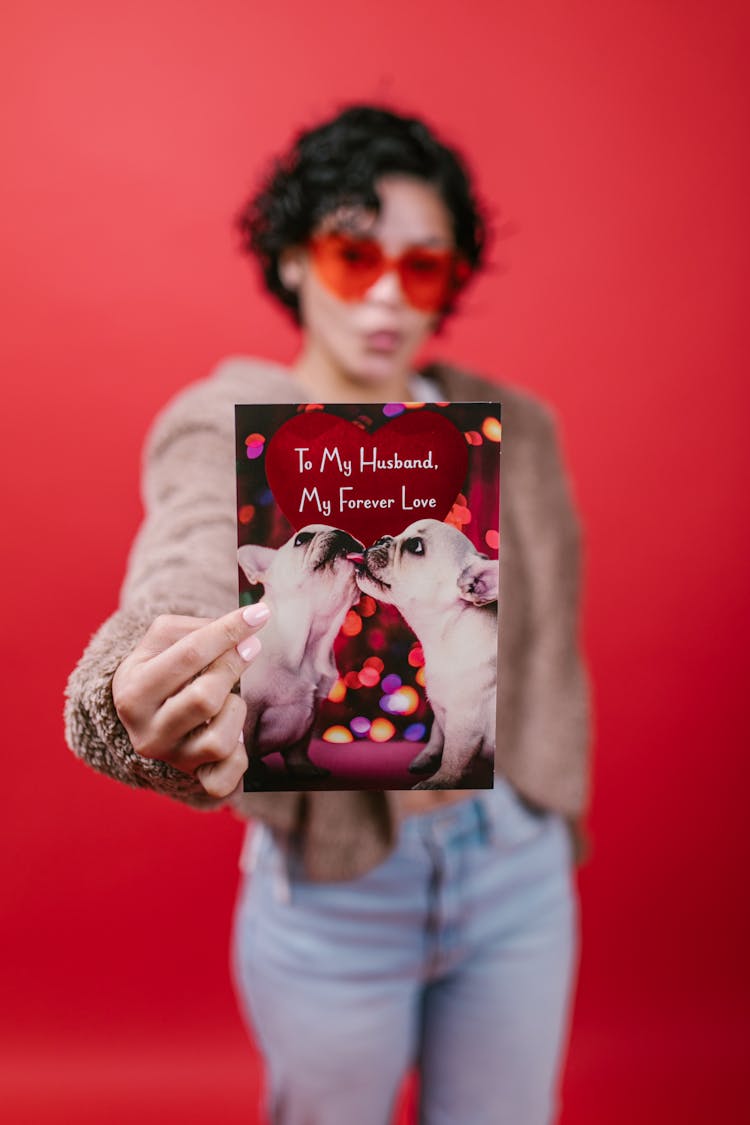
(356, 557)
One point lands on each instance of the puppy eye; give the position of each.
(414, 546)
(303, 537)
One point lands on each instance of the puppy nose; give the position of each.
(345, 541)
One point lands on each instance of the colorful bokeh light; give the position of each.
(404, 701)
(337, 694)
(369, 677)
(492, 539)
(338, 734)
(352, 624)
(460, 515)
(382, 730)
(367, 606)
(415, 732)
(492, 429)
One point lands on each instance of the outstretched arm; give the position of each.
(135, 709)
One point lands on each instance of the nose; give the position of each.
(387, 289)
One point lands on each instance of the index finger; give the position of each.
(188, 656)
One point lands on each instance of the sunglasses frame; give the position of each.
(355, 288)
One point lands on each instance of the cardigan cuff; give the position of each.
(93, 729)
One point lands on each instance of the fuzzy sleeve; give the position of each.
(554, 730)
(182, 562)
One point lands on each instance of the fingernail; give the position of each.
(249, 648)
(256, 614)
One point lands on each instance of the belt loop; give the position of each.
(254, 838)
(282, 889)
(485, 820)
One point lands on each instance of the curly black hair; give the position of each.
(338, 162)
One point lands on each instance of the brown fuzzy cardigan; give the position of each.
(184, 561)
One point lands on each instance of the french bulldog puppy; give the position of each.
(447, 593)
(309, 586)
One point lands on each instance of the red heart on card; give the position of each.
(376, 483)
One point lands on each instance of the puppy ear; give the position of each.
(255, 561)
(479, 580)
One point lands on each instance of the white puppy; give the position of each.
(308, 585)
(447, 593)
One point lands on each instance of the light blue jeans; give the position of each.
(457, 954)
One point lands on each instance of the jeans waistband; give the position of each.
(478, 813)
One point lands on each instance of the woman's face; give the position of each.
(372, 339)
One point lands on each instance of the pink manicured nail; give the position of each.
(256, 614)
(249, 648)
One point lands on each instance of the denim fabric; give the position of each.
(456, 953)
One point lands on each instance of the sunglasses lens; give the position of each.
(427, 277)
(347, 266)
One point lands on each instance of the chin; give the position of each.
(374, 369)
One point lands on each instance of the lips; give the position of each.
(385, 340)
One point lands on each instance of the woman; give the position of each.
(376, 929)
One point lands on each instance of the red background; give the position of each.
(614, 139)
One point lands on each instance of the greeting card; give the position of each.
(372, 533)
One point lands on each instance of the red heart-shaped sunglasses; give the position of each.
(349, 266)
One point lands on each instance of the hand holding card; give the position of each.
(173, 694)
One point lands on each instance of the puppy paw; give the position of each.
(256, 775)
(307, 769)
(437, 783)
(424, 762)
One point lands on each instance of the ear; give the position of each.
(255, 561)
(479, 580)
(291, 267)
